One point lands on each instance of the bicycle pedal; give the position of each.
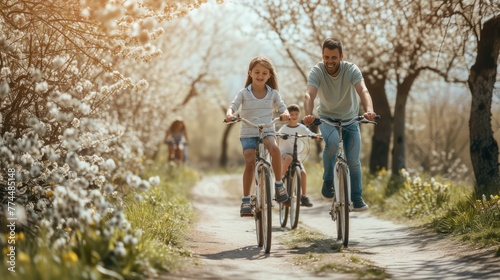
(247, 215)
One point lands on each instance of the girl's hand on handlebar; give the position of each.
(285, 117)
(230, 118)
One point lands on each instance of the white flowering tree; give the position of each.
(479, 23)
(69, 112)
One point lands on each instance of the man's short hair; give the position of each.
(332, 43)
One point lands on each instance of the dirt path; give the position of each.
(225, 244)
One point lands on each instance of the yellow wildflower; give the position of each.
(70, 256)
(23, 257)
(49, 193)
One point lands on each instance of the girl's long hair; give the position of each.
(266, 62)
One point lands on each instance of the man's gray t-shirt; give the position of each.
(337, 96)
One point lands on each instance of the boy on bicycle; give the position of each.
(286, 147)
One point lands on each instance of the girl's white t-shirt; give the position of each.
(257, 110)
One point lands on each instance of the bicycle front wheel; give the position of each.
(295, 195)
(343, 217)
(284, 207)
(266, 207)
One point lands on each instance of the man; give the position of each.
(339, 85)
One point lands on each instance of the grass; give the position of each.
(163, 216)
(319, 254)
(447, 207)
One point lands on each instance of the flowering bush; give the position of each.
(71, 120)
(423, 198)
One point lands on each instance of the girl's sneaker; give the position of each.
(246, 208)
(281, 193)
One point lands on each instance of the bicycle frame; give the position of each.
(293, 184)
(342, 204)
(262, 191)
(341, 161)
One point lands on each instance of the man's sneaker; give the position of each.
(327, 189)
(360, 206)
(304, 201)
(281, 193)
(246, 209)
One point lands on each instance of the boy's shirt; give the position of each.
(286, 146)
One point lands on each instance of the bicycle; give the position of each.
(293, 182)
(260, 200)
(342, 204)
(176, 150)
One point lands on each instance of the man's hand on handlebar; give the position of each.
(370, 116)
(308, 120)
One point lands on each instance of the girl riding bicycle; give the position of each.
(258, 100)
(176, 138)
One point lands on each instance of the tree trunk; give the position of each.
(381, 139)
(399, 122)
(399, 150)
(223, 156)
(482, 78)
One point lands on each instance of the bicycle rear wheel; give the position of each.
(343, 217)
(295, 195)
(284, 206)
(266, 207)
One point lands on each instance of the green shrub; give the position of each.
(423, 198)
(149, 229)
(475, 220)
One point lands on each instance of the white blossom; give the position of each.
(75, 123)
(4, 89)
(120, 250)
(4, 72)
(155, 181)
(42, 87)
(110, 164)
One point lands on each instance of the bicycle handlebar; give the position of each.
(248, 122)
(285, 136)
(338, 122)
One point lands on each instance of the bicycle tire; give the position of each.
(266, 214)
(258, 209)
(344, 204)
(295, 195)
(336, 214)
(284, 207)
